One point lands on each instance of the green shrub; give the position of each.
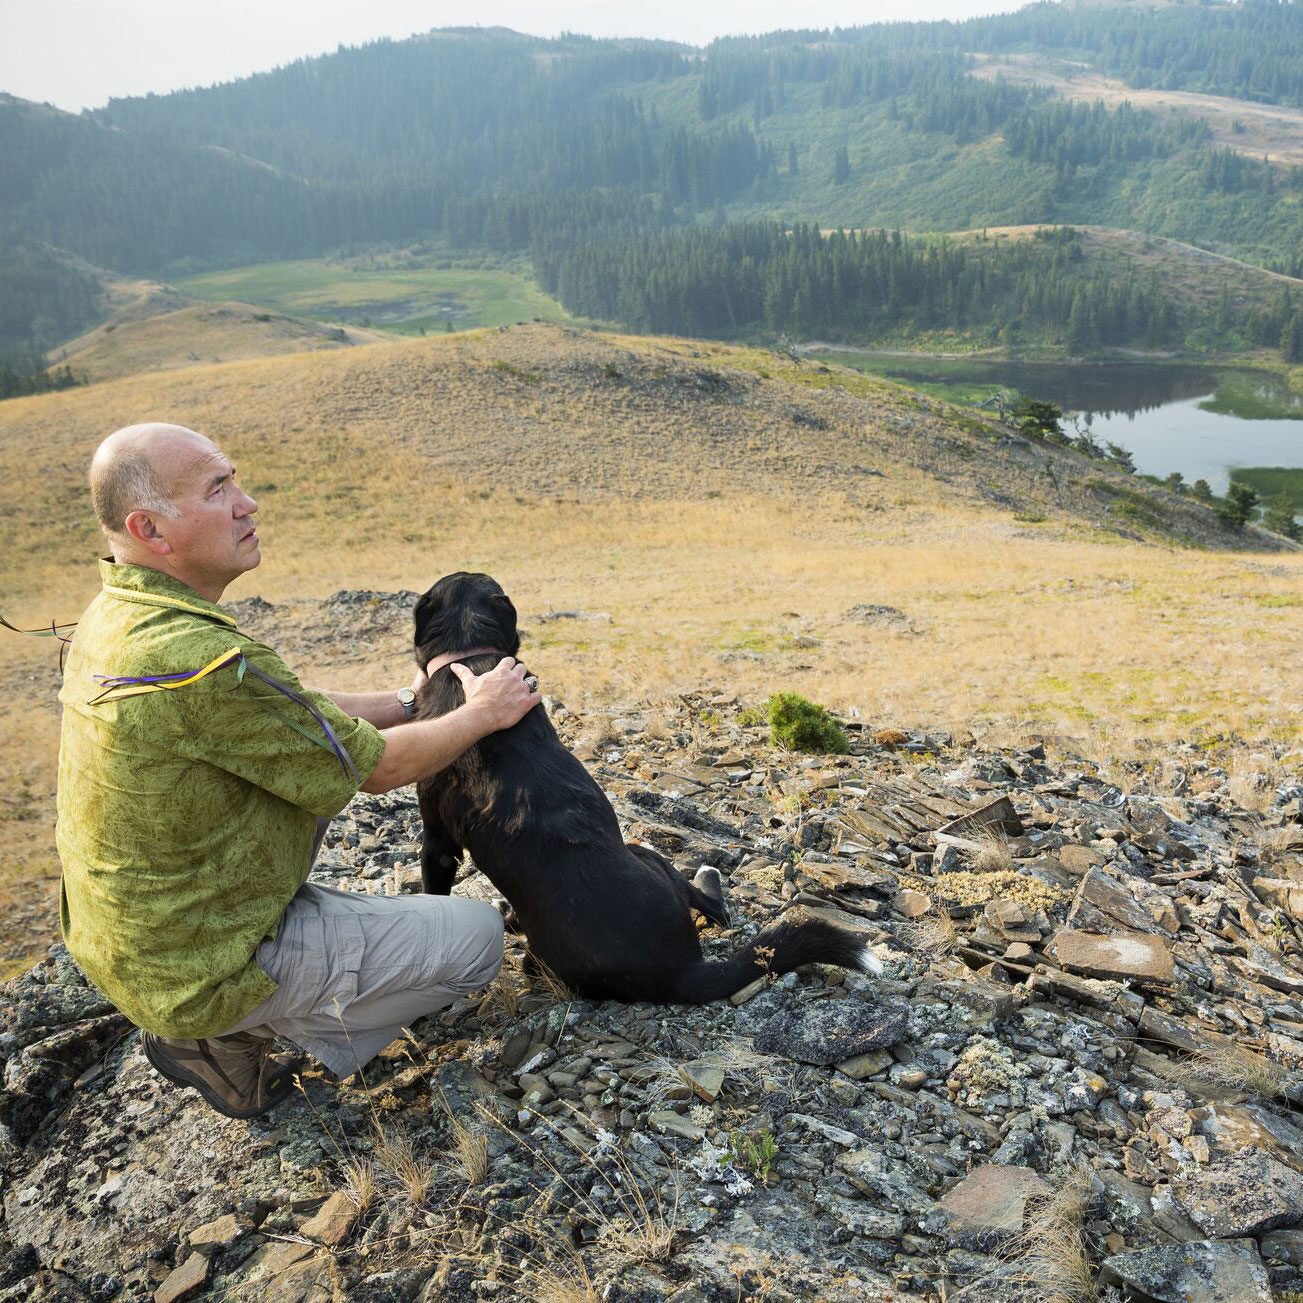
(800, 725)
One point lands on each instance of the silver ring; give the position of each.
(531, 682)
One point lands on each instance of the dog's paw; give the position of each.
(870, 963)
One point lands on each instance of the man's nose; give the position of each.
(244, 504)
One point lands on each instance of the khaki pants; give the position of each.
(353, 970)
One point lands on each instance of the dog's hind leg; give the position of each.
(440, 854)
(707, 895)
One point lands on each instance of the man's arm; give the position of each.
(418, 750)
(380, 709)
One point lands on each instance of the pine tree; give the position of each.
(1280, 519)
(1240, 501)
(841, 166)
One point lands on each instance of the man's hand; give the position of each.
(500, 698)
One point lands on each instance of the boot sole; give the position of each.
(178, 1076)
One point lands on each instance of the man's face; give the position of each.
(213, 537)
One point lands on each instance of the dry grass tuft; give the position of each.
(1050, 1260)
(992, 854)
(1251, 783)
(1275, 845)
(360, 1182)
(397, 1158)
(1232, 1072)
(566, 1281)
(932, 936)
(468, 1157)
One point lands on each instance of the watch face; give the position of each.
(406, 696)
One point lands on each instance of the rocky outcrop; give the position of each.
(1085, 986)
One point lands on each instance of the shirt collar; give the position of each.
(151, 587)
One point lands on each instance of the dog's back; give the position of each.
(612, 921)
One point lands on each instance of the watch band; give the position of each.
(407, 700)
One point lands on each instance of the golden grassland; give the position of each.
(730, 568)
(200, 333)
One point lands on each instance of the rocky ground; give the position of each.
(1078, 1078)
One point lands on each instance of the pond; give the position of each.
(1197, 420)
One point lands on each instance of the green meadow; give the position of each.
(386, 292)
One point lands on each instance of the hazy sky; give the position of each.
(78, 53)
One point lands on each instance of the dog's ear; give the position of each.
(428, 607)
(505, 612)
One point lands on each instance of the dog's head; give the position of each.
(462, 611)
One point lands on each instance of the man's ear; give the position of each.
(141, 526)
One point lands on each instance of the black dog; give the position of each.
(612, 921)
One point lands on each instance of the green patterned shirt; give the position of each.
(186, 817)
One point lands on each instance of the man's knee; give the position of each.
(482, 930)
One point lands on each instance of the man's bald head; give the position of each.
(134, 469)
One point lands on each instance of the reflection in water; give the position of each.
(1100, 390)
(1153, 411)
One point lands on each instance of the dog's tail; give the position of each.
(775, 951)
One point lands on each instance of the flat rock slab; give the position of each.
(1203, 1271)
(333, 1220)
(1120, 956)
(190, 1276)
(831, 1031)
(706, 1078)
(1242, 1195)
(988, 1205)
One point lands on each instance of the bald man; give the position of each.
(196, 776)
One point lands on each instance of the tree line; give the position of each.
(855, 286)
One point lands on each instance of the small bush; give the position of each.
(800, 725)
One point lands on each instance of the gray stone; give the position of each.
(670, 1123)
(1282, 1246)
(866, 1065)
(874, 1173)
(1203, 1271)
(1242, 1195)
(831, 1031)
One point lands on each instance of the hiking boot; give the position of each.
(238, 1075)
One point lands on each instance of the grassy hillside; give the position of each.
(398, 291)
(1249, 127)
(733, 514)
(197, 334)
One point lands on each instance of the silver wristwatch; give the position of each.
(407, 700)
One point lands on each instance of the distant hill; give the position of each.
(199, 333)
(488, 140)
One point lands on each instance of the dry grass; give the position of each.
(1251, 783)
(377, 458)
(1277, 845)
(201, 333)
(1049, 1261)
(468, 1157)
(932, 936)
(644, 1227)
(992, 854)
(397, 1159)
(360, 1181)
(1232, 1072)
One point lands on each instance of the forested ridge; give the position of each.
(600, 157)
